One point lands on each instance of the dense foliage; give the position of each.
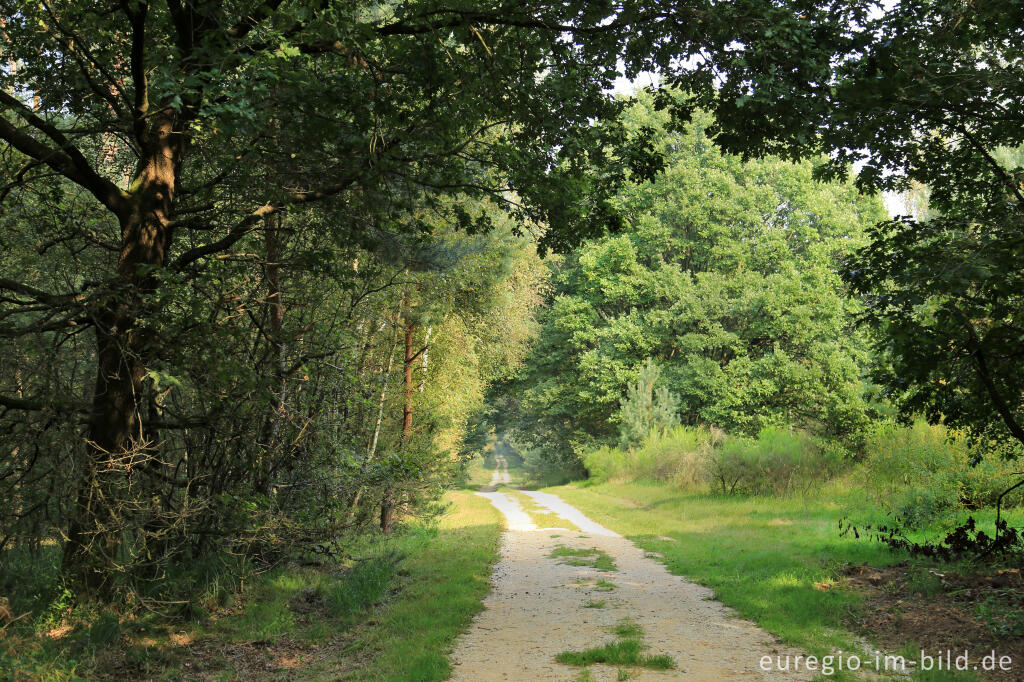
(218, 217)
(925, 94)
(727, 277)
(260, 260)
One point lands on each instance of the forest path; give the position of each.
(541, 606)
(500, 475)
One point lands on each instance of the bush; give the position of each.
(778, 462)
(647, 408)
(924, 472)
(678, 457)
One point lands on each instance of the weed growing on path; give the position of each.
(628, 649)
(593, 557)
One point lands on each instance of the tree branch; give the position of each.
(39, 405)
(68, 160)
(990, 160)
(35, 294)
(247, 24)
(974, 345)
(249, 223)
(462, 18)
(138, 69)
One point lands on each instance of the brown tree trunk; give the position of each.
(387, 506)
(114, 436)
(407, 390)
(275, 307)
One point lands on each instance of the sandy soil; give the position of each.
(536, 608)
(500, 474)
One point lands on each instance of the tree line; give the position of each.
(260, 259)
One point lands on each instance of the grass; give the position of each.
(393, 615)
(619, 652)
(446, 581)
(593, 557)
(628, 649)
(541, 516)
(592, 604)
(628, 629)
(761, 555)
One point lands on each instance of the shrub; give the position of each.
(362, 585)
(923, 472)
(647, 408)
(677, 456)
(779, 462)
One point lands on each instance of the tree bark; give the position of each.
(387, 506)
(115, 440)
(275, 309)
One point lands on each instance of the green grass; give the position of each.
(628, 629)
(628, 649)
(392, 615)
(620, 652)
(592, 556)
(761, 556)
(592, 604)
(447, 579)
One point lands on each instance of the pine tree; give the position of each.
(647, 409)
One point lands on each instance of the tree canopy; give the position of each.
(201, 199)
(727, 276)
(922, 94)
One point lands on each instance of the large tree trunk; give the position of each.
(115, 435)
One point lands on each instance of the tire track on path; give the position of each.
(536, 608)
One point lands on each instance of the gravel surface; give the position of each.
(536, 608)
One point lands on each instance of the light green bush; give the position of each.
(923, 472)
(647, 409)
(779, 462)
(678, 456)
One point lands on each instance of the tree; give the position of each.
(945, 296)
(727, 277)
(647, 409)
(182, 129)
(924, 94)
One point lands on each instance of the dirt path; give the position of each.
(537, 608)
(500, 475)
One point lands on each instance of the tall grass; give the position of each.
(924, 472)
(678, 456)
(921, 473)
(364, 585)
(779, 461)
